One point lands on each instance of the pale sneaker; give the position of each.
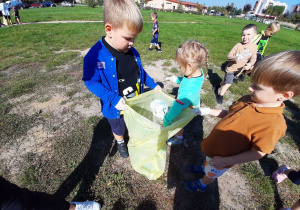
(278, 175)
(87, 205)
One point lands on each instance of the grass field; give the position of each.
(50, 140)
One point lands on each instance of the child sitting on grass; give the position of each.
(190, 56)
(254, 124)
(242, 55)
(263, 37)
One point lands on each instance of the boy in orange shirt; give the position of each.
(254, 124)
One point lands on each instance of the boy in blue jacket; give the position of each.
(112, 69)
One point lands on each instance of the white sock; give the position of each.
(120, 141)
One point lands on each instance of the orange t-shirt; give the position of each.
(239, 55)
(245, 126)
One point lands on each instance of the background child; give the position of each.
(283, 172)
(6, 14)
(112, 69)
(242, 55)
(255, 123)
(155, 33)
(263, 37)
(190, 56)
(17, 16)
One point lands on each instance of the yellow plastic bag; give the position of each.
(147, 145)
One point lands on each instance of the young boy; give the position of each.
(263, 37)
(155, 32)
(242, 55)
(112, 69)
(254, 124)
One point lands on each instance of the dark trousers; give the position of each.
(13, 197)
(294, 176)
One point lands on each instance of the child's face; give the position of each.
(247, 35)
(152, 18)
(264, 95)
(269, 32)
(186, 70)
(121, 39)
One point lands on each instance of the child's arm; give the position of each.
(219, 112)
(232, 54)
(247, 156)
(214, 112)
(92, 81)
(175, 110)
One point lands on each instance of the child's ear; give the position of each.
(108, 29)
(286, 95)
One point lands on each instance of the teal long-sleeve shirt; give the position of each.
(188, 94)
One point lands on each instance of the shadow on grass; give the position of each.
(147, 204)
(85, 173)
(180, 157)
(293, 126)
(269, 165)
(213, 78)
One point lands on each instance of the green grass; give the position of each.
(261, 185)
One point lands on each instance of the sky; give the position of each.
(239, 3)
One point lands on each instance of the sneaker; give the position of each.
(87, 205)
(196, 169)
(149, 49)
(159, 51)
(219, 99)
(123, 150)
(194, 186)
(242, 77)
(278, 175)
(235, 79)
(174, 141)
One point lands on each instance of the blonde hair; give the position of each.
(123, 12)
(281, 71)
(274, 27)
(192, 52)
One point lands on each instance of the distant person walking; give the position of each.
(6, 14)
(155, 32)
(17, 16)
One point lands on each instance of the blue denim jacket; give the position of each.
(100, 77)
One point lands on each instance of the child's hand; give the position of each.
(201, 111)
(157, 88)
(172, 79)
(121, 105)
(218, 162)
(247, 66)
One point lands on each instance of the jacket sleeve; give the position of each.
(232, 54)
(148, 80)
(178, 105)
(92, 81)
